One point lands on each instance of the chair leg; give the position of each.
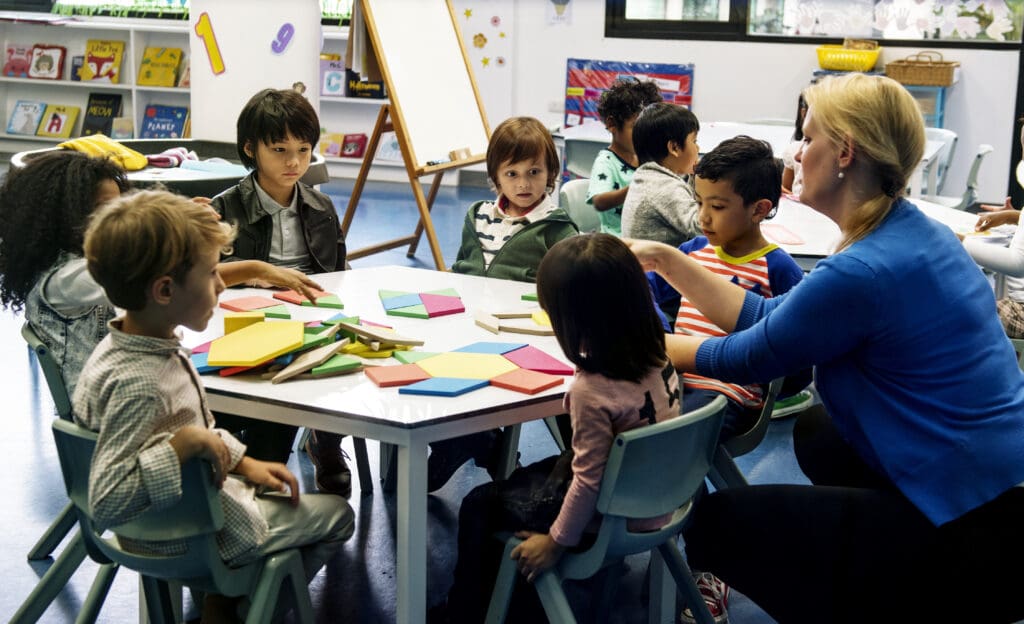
(303, 438)
(388, 467)
(281, 570)
(55, 534)
(52, 582)
(556, 433)
(363, 466)
(156, 595)
(97, 594)
(552, 596)
(503, 585)
(683, 575)
(724, 472)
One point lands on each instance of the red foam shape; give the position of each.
(440, 305)
(234, 370)
(526, 381)
(246, 304)
(402, 375)
(297, 298)
(532, 358)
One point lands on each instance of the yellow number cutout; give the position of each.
(205, 31)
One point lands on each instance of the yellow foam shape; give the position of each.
(355, 348)
(234, 321)
(370, 353)
(540, 317)
(466, 365)
(256, 343)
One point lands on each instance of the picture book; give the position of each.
(159, 67)
(122, 128)
(18, 60)
(330, 143)
(47, 62)
(58, 121)
(25, 117)
(332, 77)
(185, 79)
(100, 112)
(76, 66)
(163, 122)
(102, 61)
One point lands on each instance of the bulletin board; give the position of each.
(275, 45)
(586, 80)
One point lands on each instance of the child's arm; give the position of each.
(263, 274)
(193, 441)
(610, 199)
(270, 474)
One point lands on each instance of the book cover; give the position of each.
(163, 122)
(76, 67)
(185, 80)
(25, 117)
(18, 60)
(330, 144)
(100, 112)
(122, 128)
(159, 67)
(102, 60)
(58, 121)
(353, 145)
(332, 77)
(47, 62)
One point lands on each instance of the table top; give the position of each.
(355, 396)
(710, 134)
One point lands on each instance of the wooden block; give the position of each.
(532, 358)
(513, 315)
(401, 301)
(292, 296)
(234, 321)
(526, 381)
(337, 364)
(256, 343)
(467, 365)
(530, 330)
(498, 348)
(335, 373)
(199, 360)
(441, 305)
(408, 357)
(327, 301)
(488, 322)
(415, 311)
(402, 375)
(380, 335)
(443, 386)
(308, 361)
(247, 304)
(540, 317)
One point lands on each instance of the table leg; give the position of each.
(411, 548)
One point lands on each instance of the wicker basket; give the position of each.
(925, 68)
(838, 58)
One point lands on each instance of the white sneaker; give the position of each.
(716, 597)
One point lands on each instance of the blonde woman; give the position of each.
(913, 513)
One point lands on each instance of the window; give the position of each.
(675, 19)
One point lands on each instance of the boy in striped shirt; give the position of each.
(737, 187)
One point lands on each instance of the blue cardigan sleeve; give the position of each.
(825, 315)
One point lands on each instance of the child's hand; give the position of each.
(273, 475)
(996, 207)
(192, 441)
(290, 278)
(537, 554)
(651, 254)
(990, 220)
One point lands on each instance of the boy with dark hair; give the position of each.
(660, 205)
(613, 167)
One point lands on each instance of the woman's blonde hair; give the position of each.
(885, 125)
(143, 236)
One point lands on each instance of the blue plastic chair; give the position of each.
(724, 472)
(651, 471)
(196, 518)
(74, 553)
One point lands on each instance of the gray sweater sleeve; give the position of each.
(660, 206)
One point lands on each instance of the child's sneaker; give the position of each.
(792, 405)
(716, 597)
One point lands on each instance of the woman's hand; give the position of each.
(651, 254)
(536, 554)
(990, 220)
(273, 475)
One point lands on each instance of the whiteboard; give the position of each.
(434, 100)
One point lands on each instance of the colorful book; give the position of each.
(25, 117)
(185, 80)
(163, 122)
(122, 128)
(332, 77)
(74, 73)
(159, 67)
(58, 121)
(102, 61)
(18, 60)
(47, 62)
(100, 112)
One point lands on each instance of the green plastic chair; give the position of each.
(1018, 348)
(74, 553)
(196, 518)
(651, 471)
(724, 472)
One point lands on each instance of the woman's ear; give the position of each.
(846, 152)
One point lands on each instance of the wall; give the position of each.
(738, 81)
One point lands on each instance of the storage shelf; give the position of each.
(31, 137)
(356, 101)
(72, 84)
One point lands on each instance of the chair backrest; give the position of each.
(945, 156)
(573, 199)
(748, 441)
(51, 371)
(972, 175)
(580, 155)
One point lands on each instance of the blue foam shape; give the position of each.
(404, 301)
(199, 360)
(284, 360)
(444, 386)
(497, 348)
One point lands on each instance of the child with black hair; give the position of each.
(285, 222)
(623, 381)
(613, 167)
(660, 205)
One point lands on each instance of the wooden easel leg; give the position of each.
(426, 222)
(435, 186)
(379, 128)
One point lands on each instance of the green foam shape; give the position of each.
(278, 312)
(330, 301)
(337, 364)
(388, 294)
(416, 311)
(410, 357)
(447, 292)
(530, 297)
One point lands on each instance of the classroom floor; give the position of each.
(358, 585)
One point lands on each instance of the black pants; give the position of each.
(264, 440)
(851, 548)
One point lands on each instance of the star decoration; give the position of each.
(486, 61)
(468, 13)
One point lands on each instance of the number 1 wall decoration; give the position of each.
(204, 28)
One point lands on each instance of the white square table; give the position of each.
(354, 405)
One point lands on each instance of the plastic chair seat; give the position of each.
(573, 199)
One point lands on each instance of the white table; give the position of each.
(354, 405)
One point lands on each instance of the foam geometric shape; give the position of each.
(297, 298)
(256, 343)
(498, 348)
(413, 311)
(228, 371)
(540, 317)
(401, 301)
(440, 305)
(278, 312)
(372, 324)
(402, 375)
(443, 386)
(409, 357)
(390, 294)
(307, 361)
(203, 348)
(234, 321)
(532, 358)
(526, 381)
(338, 364)
(529, 297)
(445, 292)
(327, 301)
(201, 362)
(341, 318)
(421, 305)
(466, 365)
(246, 304)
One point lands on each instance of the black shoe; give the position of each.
(448, 456)
(333, 475)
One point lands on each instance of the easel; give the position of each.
(427, 127)
(423, 202)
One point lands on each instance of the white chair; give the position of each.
(580, 155)
(970, 194)
(943, 159)
(573, 199)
